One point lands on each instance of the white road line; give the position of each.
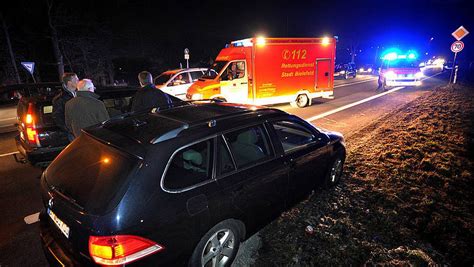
(33, 218)
(322, 115)
(9, 154)
(348, 84)
(8, 119)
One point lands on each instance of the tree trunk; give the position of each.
(55, 40)
(10, 50)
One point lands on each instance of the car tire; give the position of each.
(334, 172)
(219, 246)
(301, 101)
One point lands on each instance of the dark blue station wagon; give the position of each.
(182, 186)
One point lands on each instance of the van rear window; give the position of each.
(93, 174)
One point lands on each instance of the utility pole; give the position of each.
(10, 50)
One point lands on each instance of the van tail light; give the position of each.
(120, 249)
(31, 133)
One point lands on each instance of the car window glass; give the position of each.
(190, 166)
(293, 135)
(235, 70)
(195, 75)
(182, 78)
(224, 161)
(249, 146)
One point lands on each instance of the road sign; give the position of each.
(29, 66)
(186, 56)
(460, 33)
(457, 46)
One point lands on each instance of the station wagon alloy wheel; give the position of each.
(219, 249)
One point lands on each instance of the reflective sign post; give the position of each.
(186, 56)
(455, 47)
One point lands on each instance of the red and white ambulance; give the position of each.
(265, 71)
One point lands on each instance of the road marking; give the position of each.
(347, 84)
(33, 218)
(9, 154)
(8, 119)
(322, 115)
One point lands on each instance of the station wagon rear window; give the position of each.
(91, 173)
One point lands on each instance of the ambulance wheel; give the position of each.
(302, 100)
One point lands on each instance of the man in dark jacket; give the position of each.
(85, 109)
(68, 91)
(148, 96)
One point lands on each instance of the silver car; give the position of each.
(176, 82)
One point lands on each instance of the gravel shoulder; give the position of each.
(406, 197)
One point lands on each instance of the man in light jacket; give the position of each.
(85, 109)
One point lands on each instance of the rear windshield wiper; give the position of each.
(64, 195)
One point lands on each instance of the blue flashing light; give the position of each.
(390, 56)
(411, 56)
(402, 56)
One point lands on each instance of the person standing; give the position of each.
(148, 96)
(68, 91)
(85, 109)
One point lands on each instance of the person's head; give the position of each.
(145, 78)
(85, 85)
(70, 80)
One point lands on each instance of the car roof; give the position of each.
(183, 70)
(48, 90)
(155, 127)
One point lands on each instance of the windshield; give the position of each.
(214, 70)
(162, 79)
(400, 64)
(93, 174)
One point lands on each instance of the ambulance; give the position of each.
(399, 69)
(265, 71)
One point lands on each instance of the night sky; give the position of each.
(152, 34)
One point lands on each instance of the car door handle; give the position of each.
(244, 83)
(291, 163)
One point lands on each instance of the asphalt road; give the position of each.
(356, 104)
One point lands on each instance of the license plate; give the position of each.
(60, 224)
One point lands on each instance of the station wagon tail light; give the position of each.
(120, 249)
(31, 133)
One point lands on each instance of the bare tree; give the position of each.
(10, 49)
(353, 46)
(55, 40)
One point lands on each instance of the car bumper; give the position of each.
(36, 155)
(53, 251)
(403, 82)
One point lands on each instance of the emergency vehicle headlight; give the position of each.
(342, 72)
(196, 97)
(369, 70)
(361, 70)
(419, 75)
(390, 75)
